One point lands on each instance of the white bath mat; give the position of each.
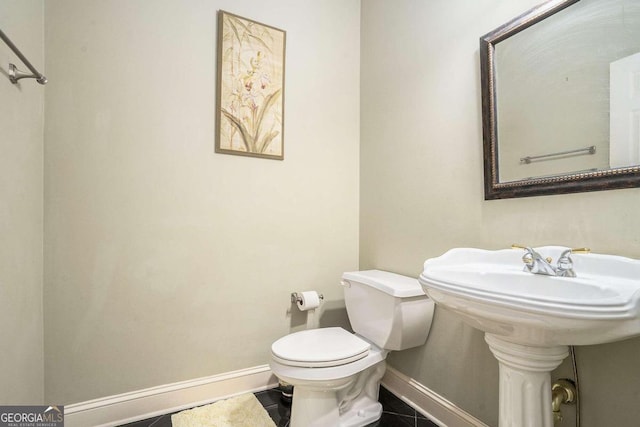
(240, 411)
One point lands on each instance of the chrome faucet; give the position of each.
(565, 265)
(537, 264)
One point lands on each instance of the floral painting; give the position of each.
(250, 104)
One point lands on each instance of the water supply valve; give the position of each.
(563, 391)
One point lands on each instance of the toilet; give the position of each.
(335, 373)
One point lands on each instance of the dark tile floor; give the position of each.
(395, 413)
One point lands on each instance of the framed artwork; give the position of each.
(250, 88)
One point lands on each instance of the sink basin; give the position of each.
(530, 319)
(491, 292)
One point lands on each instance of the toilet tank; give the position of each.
(388, 309)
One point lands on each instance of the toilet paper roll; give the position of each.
(308, 300)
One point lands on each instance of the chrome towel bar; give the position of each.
(14, 73)
(560, 154)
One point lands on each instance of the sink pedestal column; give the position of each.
(525, 381)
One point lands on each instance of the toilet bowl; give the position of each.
(326, 379)
(335, 373)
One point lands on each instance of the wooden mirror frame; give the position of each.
(609, 179)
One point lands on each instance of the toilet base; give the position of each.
(319, 409)
(313, 408)
(362, 413)
(352, 402)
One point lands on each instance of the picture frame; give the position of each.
(250, 88)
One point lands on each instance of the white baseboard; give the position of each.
(139, 405)
(430, 404)
(142, 404)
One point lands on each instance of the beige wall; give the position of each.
(165, 261)
(21, 121)
(422, 194)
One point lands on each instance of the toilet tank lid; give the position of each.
(387, 282)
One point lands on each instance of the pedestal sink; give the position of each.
(529, 319)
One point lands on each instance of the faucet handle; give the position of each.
(528, 252)
(572, 251)
(528, 257)
(567, 252)
(580, 250)
(565, 263)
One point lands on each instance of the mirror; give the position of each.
(561, 99)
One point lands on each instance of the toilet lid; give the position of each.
(317, 348)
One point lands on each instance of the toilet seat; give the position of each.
(319, 348)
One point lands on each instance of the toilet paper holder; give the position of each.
(297, 299)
